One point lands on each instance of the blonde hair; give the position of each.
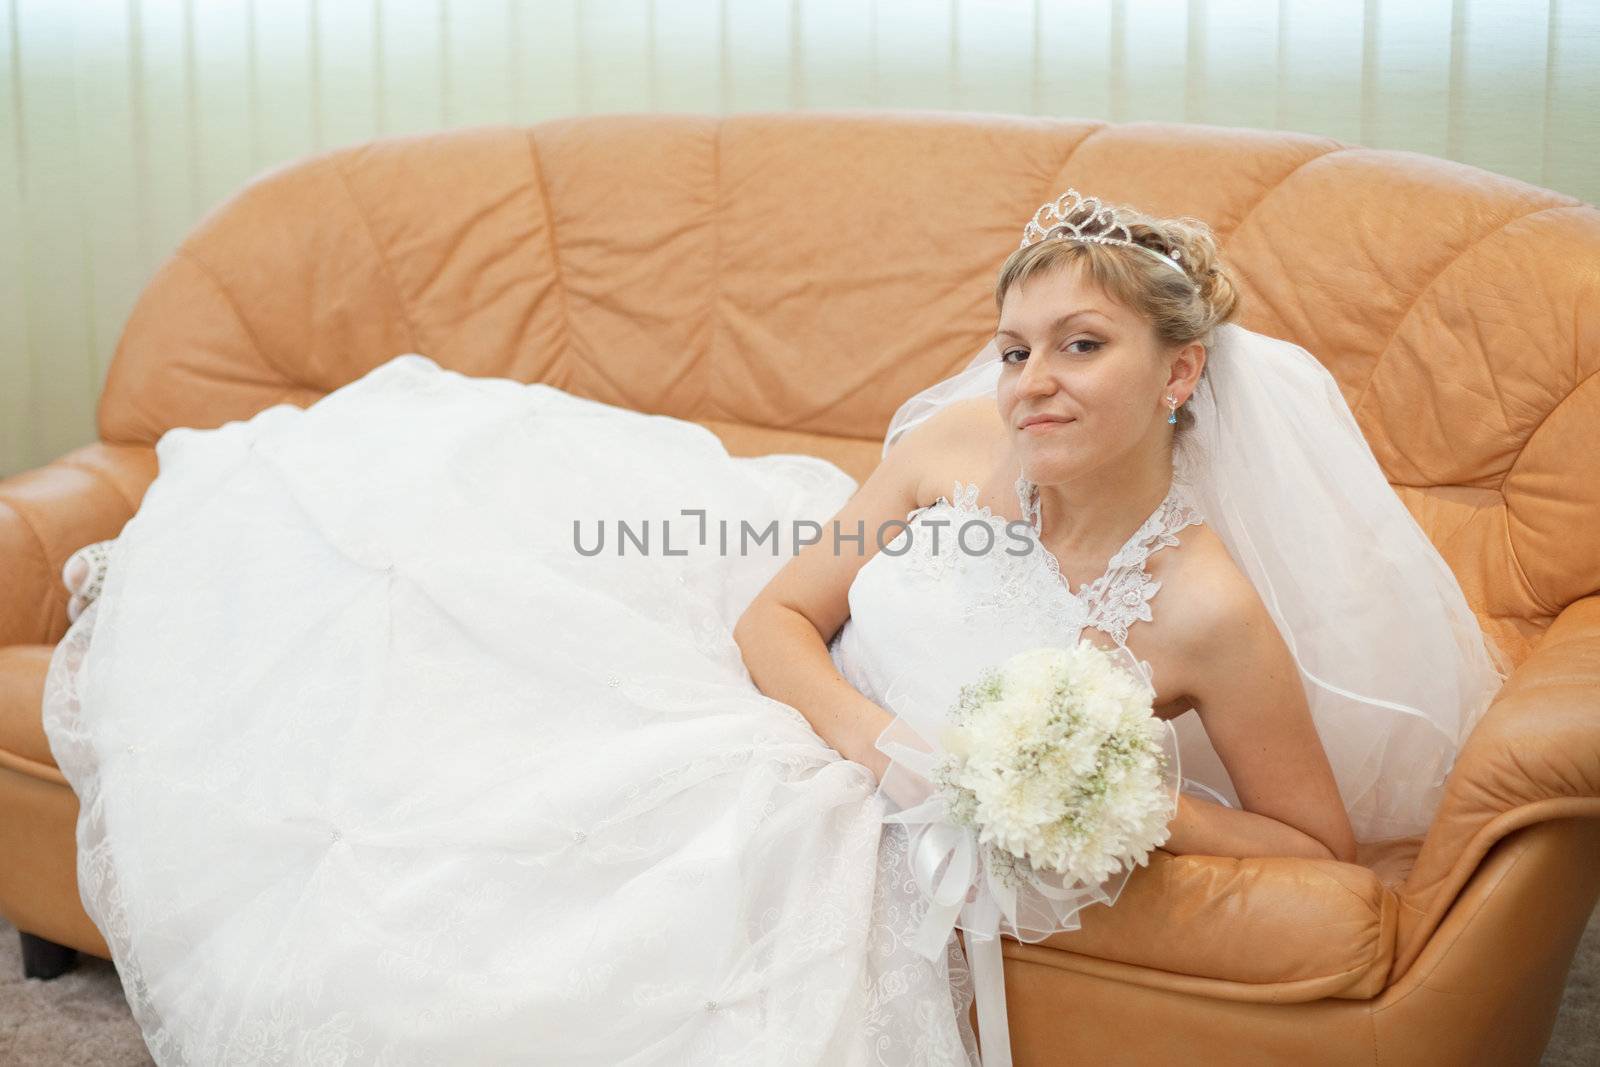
(1179, 309)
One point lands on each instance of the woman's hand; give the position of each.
(867, 753)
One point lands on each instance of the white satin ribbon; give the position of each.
(958, 894)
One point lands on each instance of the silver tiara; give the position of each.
(1053, 220)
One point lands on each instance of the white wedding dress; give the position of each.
(376, 766)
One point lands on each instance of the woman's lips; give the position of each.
(1046, 425)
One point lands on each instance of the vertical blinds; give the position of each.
(123, 121)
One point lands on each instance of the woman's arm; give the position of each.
(789, 661)
(1246, 687)
(1207, 828)
(783, 634)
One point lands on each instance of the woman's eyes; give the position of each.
(1005, 357)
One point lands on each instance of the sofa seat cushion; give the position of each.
(856, 456)
(23, 745)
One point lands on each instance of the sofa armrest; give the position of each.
(1534, 756)
(49, 513)
(1263, 929)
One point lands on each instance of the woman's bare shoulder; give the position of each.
(960, 441)
(1208, 597)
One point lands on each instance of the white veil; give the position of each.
(1396, 668)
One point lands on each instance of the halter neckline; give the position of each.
(1028, 498)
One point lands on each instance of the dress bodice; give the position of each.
(961, 587)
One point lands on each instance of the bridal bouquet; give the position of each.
(1055, 758)
(1050, 781)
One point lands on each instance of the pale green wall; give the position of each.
(122, 122)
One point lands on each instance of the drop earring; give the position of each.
(1172, 416)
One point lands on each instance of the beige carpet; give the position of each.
(81, 1018)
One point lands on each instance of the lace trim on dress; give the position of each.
(1112, 603)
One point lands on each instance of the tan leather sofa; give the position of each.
(786, 279)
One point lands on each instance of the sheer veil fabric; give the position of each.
(1396, 668)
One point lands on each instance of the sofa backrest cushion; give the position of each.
(806, 271)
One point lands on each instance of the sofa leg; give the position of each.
(45, 959)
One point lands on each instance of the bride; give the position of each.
(457, 719)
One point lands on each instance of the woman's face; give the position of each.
(1094, 367)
